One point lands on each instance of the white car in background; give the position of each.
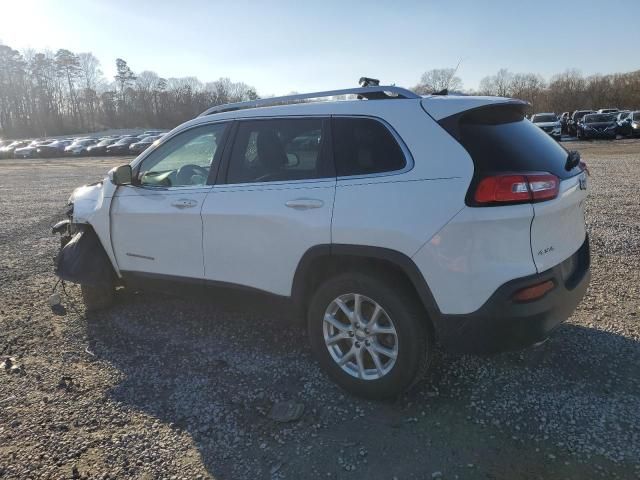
(80, 146)
(391, 222)
(549, 123)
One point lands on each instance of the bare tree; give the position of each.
(438, 79)
(90, 78)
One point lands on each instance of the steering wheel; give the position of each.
(185, 172)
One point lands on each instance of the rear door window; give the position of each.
(363, 146)
(279, 150)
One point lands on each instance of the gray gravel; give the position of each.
(162, 387)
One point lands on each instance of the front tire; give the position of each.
(97, 298)
(369, 335)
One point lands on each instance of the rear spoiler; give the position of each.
(439, 106)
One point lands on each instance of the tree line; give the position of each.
(55, 93)
(47, 93)
(564, 92)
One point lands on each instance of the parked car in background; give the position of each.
(620, 118)
(7, 150)
(564, 119)
(572, 125)
(597, 125)
(79, 146)
(154, 132)
(608, 110)
(549, 123)
(142, 145)
(121, 147)
(30, 151)
(100, 148)
(630, 126)
(53, 149)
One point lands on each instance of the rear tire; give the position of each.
(97, 298)
(399, 329)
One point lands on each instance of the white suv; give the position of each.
(391, 221)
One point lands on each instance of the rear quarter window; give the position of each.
(364, 146)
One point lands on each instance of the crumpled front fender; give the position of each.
(91, 205)
(86, 200)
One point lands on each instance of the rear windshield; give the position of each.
(543, 118)
(579, 115)
(499, 139)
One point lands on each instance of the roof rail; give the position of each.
(369, 93)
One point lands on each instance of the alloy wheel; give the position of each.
(360, 336)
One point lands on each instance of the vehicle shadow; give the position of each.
(214, 369)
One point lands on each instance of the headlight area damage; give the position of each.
(82, 258)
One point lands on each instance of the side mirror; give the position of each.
(122, 175)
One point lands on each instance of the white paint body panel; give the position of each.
(145, 223)
(558, 229)
(400, 216)
(92, 205)
(252, 238)
(476, 252)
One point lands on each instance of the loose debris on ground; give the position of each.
(162, 387)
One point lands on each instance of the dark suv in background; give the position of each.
(572, 124)
(597, 125)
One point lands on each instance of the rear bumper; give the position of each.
(502, 324)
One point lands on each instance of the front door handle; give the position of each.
(184, 203)
(304, 203)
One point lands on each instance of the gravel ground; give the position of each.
(161, 387)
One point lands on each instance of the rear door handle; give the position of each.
(184, 203)
(304, 203)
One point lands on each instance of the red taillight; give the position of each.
(511, 188)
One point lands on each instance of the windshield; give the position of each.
(125, 141)
(598, 118)
(635, 115)
(540, 118)
(104, 143)
(580, 114)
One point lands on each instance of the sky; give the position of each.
(284, 46)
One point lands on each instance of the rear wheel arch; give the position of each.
(324, 261)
